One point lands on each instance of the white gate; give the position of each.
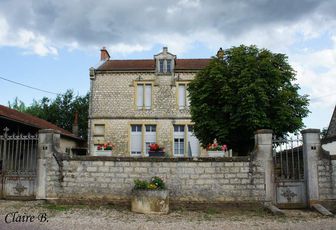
(18, 157)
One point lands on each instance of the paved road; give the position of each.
(46, 216)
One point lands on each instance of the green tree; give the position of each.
(59, 111)
(245, 90)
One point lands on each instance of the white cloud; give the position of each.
(28, 40)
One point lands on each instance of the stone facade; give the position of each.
(113, 104)
(325, 179)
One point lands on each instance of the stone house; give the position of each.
(137, 102)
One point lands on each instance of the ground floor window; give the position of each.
(185, 142)
(141, 137)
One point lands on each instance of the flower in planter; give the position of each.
(155, 183)
(155, 147)
(106, 146)
(216, 147)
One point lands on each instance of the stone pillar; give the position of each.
(263, 143)
(311, 148)
(48, 140)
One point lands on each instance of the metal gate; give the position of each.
(18, 158)
(289, 173)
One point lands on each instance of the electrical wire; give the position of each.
(31, 87)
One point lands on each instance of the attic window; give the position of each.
(161, 66)
(165, 66)
(168, 66)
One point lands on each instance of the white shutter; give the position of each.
(150, 137)
(148, 96)
(193, 144)
(188, 99)
(140, 99)
(181, 95)
(136, 146)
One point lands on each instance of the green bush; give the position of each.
(156, 183)
(140, 184)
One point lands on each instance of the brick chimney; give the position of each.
(104, 55)
(75, 124)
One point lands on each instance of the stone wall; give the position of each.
(326, 178)
(236, 179)
(203, 179)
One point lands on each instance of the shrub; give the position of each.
(156, 183)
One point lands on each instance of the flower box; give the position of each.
(216, 153)
(103, 153)
(156, 153)
(150, 201)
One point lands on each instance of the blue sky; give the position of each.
(52, 44)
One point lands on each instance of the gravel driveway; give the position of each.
(48, 216)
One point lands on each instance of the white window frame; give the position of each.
(144, 97)
(187, 136)
(185, 103)
(136, 134)
(150, 137)
(143, 136)
(179, 135)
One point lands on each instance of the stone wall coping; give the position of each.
(49, 131)
(310, 131)
(158, 159)
(260, 131)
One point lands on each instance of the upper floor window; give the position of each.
(183, 96)
(144, 96)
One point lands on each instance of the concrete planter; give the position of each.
(216, 153)
(150, 201)
(103, 153)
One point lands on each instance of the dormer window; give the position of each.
(168, 66)
(164, 62)
(161, 66)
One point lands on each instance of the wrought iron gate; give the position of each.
(289, 173)
(18, 157)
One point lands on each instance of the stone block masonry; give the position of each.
(198, 180)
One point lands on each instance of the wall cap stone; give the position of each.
(157, 159)
(310, 131)
(49, 131)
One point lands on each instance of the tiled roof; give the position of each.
(30, 120)
(149, 64)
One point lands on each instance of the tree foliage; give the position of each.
(246, 90)
(59, 111)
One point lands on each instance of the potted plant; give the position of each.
(216, 150)
(104, 149)
(156, 151)
(150, 197)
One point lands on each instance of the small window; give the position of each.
(99, 130)
(168, 66)
(161, 65)
(179, 128)
(179, 146)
